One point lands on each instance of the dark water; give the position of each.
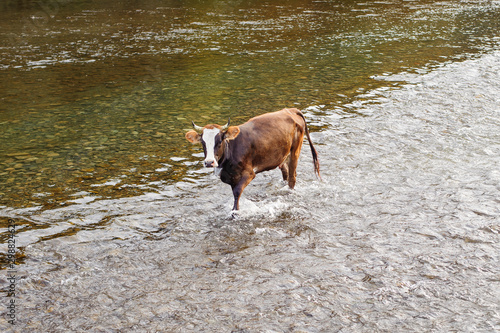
(120, 228)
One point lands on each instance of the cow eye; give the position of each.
(218, 140)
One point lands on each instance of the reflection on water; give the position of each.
(120, 228)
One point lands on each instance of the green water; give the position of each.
(96, 95)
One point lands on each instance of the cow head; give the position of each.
(214, 139)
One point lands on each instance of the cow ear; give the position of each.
(232, 132)
(193, 137)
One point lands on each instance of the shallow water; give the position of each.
(401, 234)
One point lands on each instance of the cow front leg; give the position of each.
(245, 179)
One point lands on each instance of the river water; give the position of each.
(120, 228)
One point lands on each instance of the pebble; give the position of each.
(18, 155)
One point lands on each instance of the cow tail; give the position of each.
(313, 150)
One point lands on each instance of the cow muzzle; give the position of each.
(211, 164)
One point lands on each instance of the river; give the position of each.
(120, 228)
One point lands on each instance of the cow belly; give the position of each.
(271, 161)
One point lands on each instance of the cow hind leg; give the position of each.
(292, 164)
(238, 188)
(284, 168)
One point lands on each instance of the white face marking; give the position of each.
(209, 138)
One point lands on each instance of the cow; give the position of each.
(263, 143)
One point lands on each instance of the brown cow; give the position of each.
(263, 143)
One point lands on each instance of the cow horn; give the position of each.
(196, 127)
(227, 125)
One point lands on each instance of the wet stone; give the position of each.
(18, 155)
(22, 157)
